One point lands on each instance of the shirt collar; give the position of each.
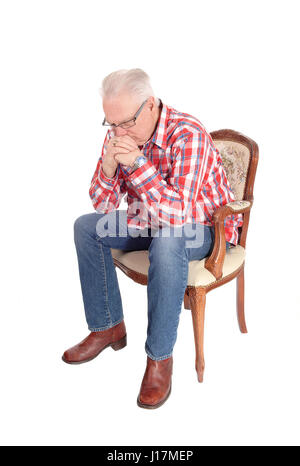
(160, 134)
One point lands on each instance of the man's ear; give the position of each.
(151, 103)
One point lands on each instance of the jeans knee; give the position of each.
(85, 224)
(78, 225)
(163, 248)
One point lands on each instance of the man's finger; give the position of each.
(123, 158)
(119, 142)
(122, 140)
(125, 145)
(121, 150)
(126, 139)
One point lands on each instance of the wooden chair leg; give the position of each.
(186, 301)
(240, 301)
(197, 298)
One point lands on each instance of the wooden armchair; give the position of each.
(240, 156)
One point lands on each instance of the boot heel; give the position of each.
(119, 344)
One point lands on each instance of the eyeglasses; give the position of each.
(128, 123)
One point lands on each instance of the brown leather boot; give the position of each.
(96, 342)
(156, 384)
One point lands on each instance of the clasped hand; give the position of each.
(126, 150)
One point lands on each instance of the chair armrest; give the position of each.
(214, 263)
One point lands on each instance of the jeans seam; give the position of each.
(185, 265)
(173, 335)
(106, 307)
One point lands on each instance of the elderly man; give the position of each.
(173, 175)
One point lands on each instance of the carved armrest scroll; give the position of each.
(214, 263)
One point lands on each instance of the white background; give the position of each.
(231, 64)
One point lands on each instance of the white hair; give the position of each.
(135, 81)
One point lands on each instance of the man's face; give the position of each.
(122, 108)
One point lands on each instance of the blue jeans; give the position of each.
(170, 250)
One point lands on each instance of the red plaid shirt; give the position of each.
(183, 180)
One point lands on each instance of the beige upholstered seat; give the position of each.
(138, 261)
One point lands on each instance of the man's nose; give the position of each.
(120, 131)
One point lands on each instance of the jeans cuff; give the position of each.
(161, 358)
(100, 329)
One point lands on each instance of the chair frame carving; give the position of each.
(195, 296)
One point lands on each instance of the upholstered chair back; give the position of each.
(240, 156)
(235, 158)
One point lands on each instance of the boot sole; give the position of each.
(116, 346)
(142, 405)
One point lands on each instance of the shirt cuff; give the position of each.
(104, 181)
(145, 177)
